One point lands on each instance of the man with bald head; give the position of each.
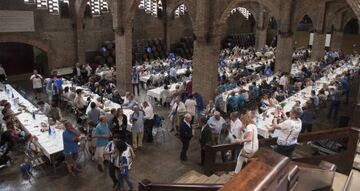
(185, 135)
(216, 123)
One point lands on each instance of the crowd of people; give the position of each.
(231, 118)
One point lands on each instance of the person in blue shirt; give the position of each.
(199, 104)
(102, 135)
(71, 137)
(346, 88)
(232, 102)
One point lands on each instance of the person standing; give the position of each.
(137, 130)
(290, 129)
(109, 154)
(119, 125)
(135, 79)
(36, 80)
(235, 125)
(334, 95)
(216, 123)
(178, 111)
(93, 115)
(250, 141)
(185, 135)
(102, 135)
(205, 137)
(190, 105)
(123, 164)
(71, 137)
(149, 121)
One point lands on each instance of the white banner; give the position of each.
(311, 39)
(328, 40)
(17, 21)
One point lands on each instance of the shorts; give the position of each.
(38, 90)
(71, 158)
(99, 154)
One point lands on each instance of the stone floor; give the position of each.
(156, 162)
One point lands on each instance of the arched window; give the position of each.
(53, 6)
(98, 7)
(241, 10)
(152, 7)
(180, 11)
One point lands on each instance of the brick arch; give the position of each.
(33, 41)
(355, 6)
(269, 6)
(131, 12)
(298, 21)
(335, 20)
(301, 14)
(189, 5)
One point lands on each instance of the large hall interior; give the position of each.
(180, 95)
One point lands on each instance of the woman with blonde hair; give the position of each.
(250, 141)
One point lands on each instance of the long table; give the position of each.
(49, 144)
(265, 119)
(108, 104)
(145, 78)
(156, 92)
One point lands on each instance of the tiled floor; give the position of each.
(156, 162)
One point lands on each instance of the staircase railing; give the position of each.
(147, 185)
(343, 159)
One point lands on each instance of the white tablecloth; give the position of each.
(156, 92)
(265, 119)
(145, 78)
(63, 71)
(49, 144)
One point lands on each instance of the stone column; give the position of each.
(260, 40)
(123, 43)
(79, 33)
(336, 40)
(168, 35)
(284, 53)
(318, 47)
(205, 68)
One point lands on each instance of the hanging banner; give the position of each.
(17, 21)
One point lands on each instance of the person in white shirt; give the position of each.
(190, 105)
(148, 121)
(88, 69)
(235, 125)
(284, 81)
(79, 102)
(250, 141)
(44, 107)
(177, 113)
(36, 80)
(290, 130)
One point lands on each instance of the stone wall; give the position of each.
(58, 34)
